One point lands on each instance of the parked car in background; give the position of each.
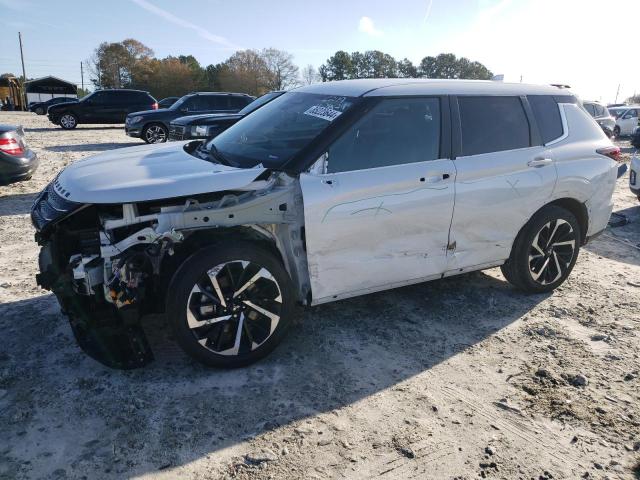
(208, 126)
(17, 162)
(601, 115)
(635, 138)
(626, 119)
(40, 108)
(153, 125)
(330, 191)
(102, 106)
(167, 102)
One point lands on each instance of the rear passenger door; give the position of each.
(504, 173)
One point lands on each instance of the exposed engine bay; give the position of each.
(111, 264)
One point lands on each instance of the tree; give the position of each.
(120, 64)
(373, 64)
(406, 69)
(284, 74)
(635, 99)
(309, 75)
(171, 77)
(337, 67)
(447, 65)
(246, 71)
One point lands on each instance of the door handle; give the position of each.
(539, 162)
(435, 178)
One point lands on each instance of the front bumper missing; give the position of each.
(112, 336)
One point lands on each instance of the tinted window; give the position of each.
(237, 103)
(214, 102)
(600, 111)
(260, 101)
(194, 104)
(394, 132)
(590, 108)
(98, 98)
(547, 115)
(492, 124)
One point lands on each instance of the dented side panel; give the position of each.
(377, 228)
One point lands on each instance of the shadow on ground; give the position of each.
(79, 127)
(65, 413)
(620, 243)
(18, 204)
(90, 147)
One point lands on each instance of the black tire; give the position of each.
(215, 341)
(546, 265)
(39, 111)
(616, 132)
(155, 133)
(68, 121)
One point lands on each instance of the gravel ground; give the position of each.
(460, 378)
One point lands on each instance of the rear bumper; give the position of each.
(15, 170)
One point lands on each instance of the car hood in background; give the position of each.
(150, 172)
(207, 119)
(62, 105)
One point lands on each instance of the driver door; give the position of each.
(378, 209)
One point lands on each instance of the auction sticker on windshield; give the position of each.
(325, 113)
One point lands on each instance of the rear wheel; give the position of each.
(545, 251)
(230, 305)
(616, 131)
(39, 111)
(154, 133)
(68, 121)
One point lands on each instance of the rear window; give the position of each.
(547, 115)
(591, 108)
(492, 124)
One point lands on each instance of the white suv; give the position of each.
(626, 119)
(330, 191)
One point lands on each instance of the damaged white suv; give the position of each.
(329, 191)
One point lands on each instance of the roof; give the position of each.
(48, 77)
(221, 93)
(422, 86)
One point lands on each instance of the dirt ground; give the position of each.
(456, 379)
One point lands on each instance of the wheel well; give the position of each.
(147, 125)
(207, 238)
(579, 210)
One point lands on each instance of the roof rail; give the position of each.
(560, 85)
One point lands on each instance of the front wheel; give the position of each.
(545, 251)
(68, 121)
(155, 133)
(616, 132)
(230, 305)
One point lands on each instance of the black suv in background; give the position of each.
(208, 126)
(40, 108)
(102, 106)
(153, 125)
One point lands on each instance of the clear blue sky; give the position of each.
(545, 41)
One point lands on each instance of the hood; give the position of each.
(158, 112)
(148, 172)
(208, 119)
(62, 105)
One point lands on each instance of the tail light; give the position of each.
(154, 106)
(11, 146)
(612, 152)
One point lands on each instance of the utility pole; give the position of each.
(82, 77)
(617, 93)
(24, 75)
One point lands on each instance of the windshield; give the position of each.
(273, 134)
(180, 101)
(616, 112)
(258, 102)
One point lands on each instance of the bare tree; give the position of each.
(284, 73)
(310, 75)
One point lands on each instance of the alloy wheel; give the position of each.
(155, 134)
(234, 307)
(68, 121)
(552, 251)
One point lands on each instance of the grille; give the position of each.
(49, 207)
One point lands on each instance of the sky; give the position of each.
(581, 43)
